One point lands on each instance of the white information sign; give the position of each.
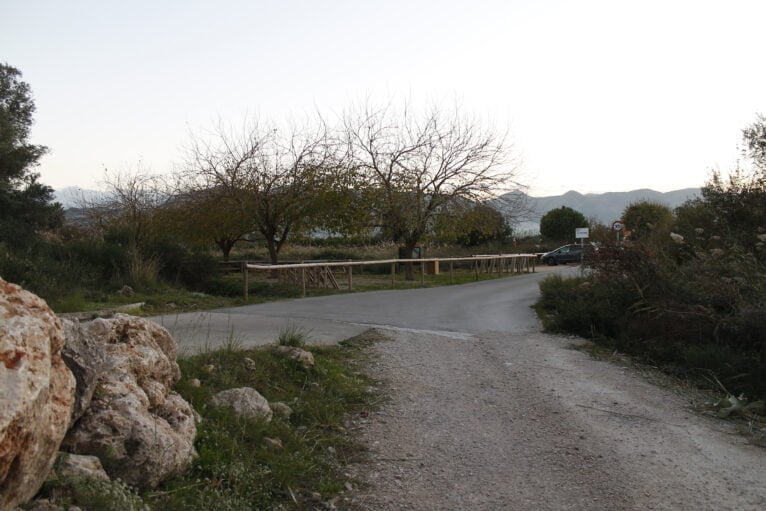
(581, 232)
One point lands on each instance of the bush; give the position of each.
(672, 305)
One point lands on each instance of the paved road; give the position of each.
(500, 305)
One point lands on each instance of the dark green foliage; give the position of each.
(644, 218)
(25, 204)
(559, 224)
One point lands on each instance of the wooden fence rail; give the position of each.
(320, 274)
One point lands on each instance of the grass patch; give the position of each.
(237, 468)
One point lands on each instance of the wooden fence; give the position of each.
(322, 274)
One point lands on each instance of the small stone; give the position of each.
(194, 382)
(126, 291)
(77, 466)
(210, 368)
(281, 409)
(331, 449)
(274, 443)
(249, 363)
(303, 357)
(348, 486)
(244, 402)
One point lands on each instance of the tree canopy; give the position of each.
(559, 224)
(25, 204)
(644, 217)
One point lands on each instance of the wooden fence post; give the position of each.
(422, 273)
(245, 283)
(393, 274)
(349, 270)
(303, 282)
(476, 269)
(451, 278)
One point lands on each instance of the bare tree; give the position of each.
(275, 175)
(131, 201)
(421, 163)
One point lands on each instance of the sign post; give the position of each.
(581, 233)
(618, 226)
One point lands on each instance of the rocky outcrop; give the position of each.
(302, 357)
(140, 429)
(244, 402)
(36, 393)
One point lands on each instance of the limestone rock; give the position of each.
(85, 358)
(249, 363)
(274, 443)
(142, 431)
(76, 466)
(303, 357)
(36, 393)
(281, 409)
(245, 402)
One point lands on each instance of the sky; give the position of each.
(597, 95)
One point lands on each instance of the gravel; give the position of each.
(519, 421)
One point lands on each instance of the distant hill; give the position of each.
(604, 207)
(72, 196)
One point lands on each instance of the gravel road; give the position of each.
(521, 421)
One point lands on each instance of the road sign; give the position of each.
(581, 232)
(618, 226)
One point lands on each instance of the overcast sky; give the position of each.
(598, 95)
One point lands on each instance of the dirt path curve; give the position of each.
(518, 421)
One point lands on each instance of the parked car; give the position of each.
(565, 254)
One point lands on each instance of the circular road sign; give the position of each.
(618, 225)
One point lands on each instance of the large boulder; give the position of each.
(36, 393)
(140, 429)
(244, 402)
(85, 357)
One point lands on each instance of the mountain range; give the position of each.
(603, 207)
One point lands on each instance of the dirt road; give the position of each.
(521, 421)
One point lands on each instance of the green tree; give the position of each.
(643, 218)
(280, 178)
(25, 203)
(559, 224)
(472, 224)
(205, 216)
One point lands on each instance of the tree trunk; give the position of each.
(409, 268)
(273, 248)
(225, 246)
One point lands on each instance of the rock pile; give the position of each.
(142, 431)
(100, 390)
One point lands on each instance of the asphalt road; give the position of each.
(500, 305)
